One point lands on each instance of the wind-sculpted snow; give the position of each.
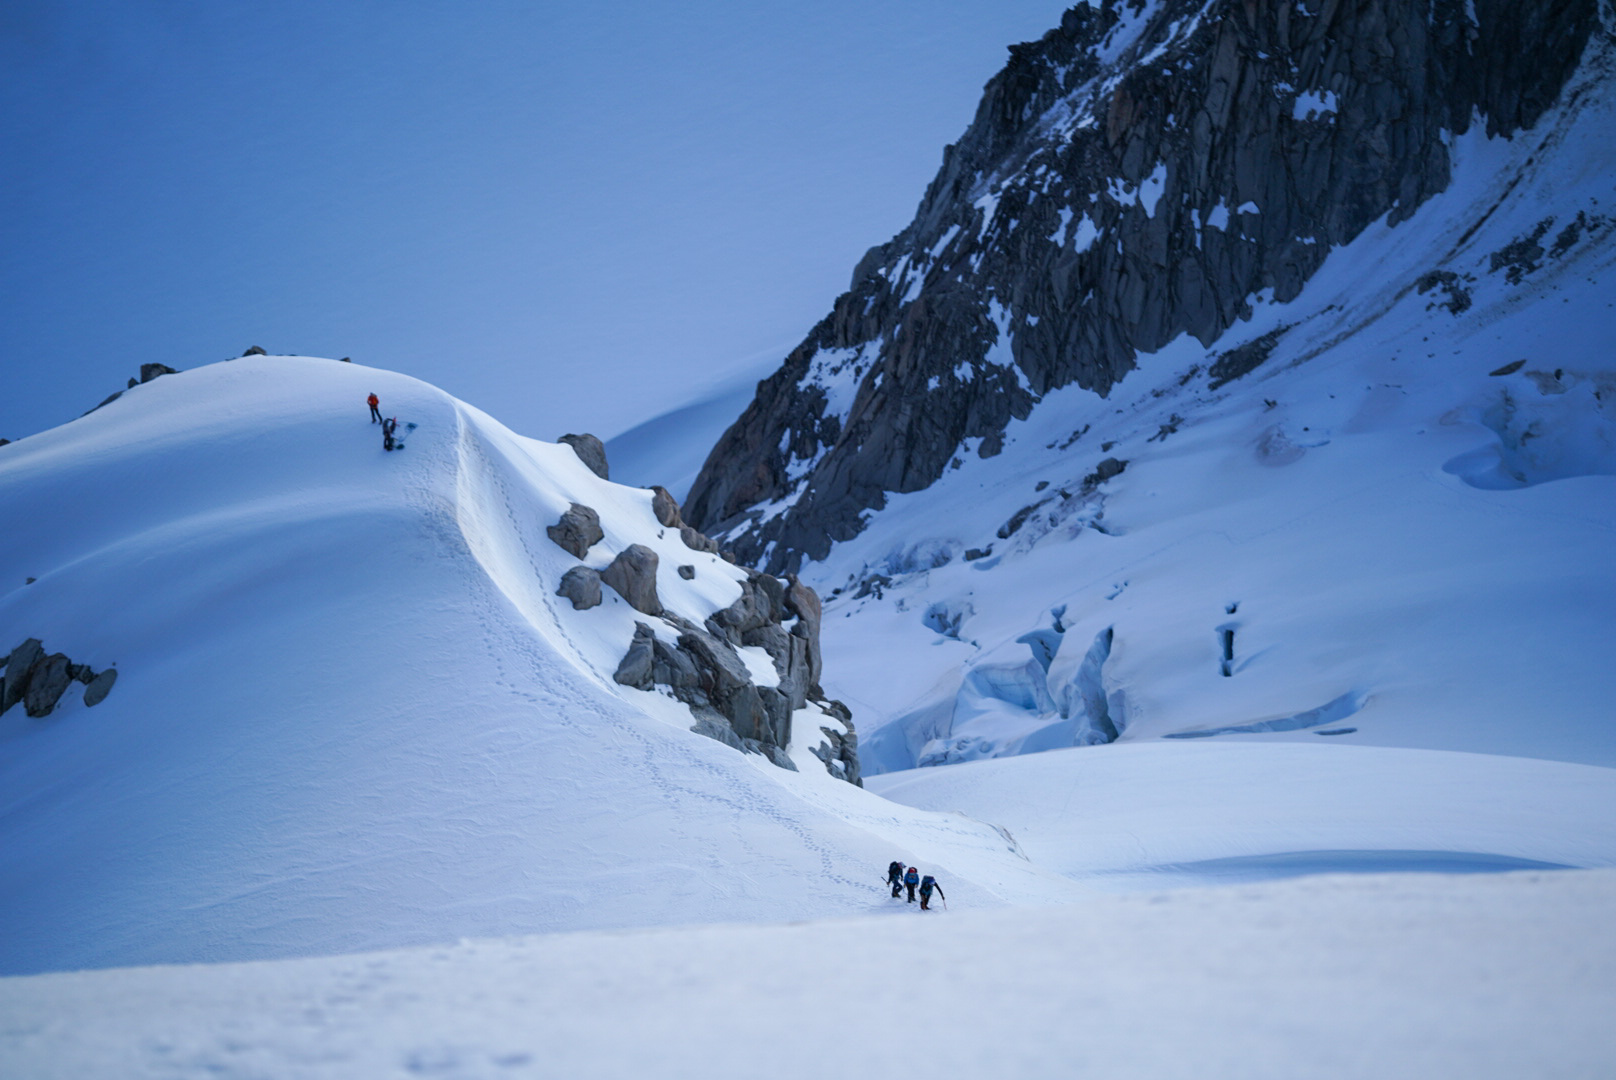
(352, 713)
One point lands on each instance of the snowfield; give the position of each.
(1417, 976)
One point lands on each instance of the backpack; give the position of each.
(927, 883)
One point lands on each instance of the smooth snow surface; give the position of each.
(351, 714)
(1412, 977)
(1153, 815)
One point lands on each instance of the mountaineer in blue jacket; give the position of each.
(911, 878)
(927, 884)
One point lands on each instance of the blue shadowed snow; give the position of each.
(1291, 864)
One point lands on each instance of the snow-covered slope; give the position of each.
(1383, 512)
(352, 714)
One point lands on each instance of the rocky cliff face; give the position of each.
(1141, 172)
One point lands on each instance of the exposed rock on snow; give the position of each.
(839, 752)
(256, 350)
(581, 585)
(1140, 173)
(577, 531)
(635, 669)
(696, 541)
(38, 680)
(1104, 471)
(48, 680)
(148, 372)
(591, 451)
(1243, 359)
(665, 507)
(633, 575)
(704, 668)
(744, 670)
(100, 685)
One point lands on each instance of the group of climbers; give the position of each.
(901, 877)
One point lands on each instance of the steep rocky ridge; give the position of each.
(1141, 172)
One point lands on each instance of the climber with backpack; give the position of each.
(388, 427)
(895, 877)
(910, 880)
(375, 404)
(927, 884)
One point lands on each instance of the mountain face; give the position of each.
(1150, 169)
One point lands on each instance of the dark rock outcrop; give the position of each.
(703, 670)
(665, 507)
(37, 680)
(702, 665)
(591, 451)
(256, 350)
(100, 685)
(635, 667)
(577, 531)
(633, 575)
(839, 751)
(696, 541)
(148, 372)
(581, 585)
(48, 680)
(1095, 210)
(18, 665)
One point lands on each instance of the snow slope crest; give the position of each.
(352, 713)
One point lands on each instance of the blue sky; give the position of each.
(573, 216)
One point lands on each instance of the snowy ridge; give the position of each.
(351, 714)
